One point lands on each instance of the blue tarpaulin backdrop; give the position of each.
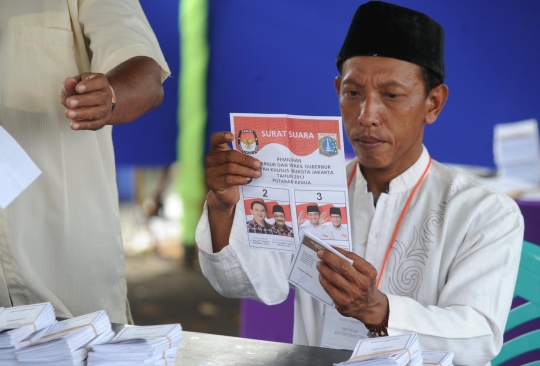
(278, 57)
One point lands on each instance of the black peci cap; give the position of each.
(313, 209)
(335, 211)
(277, 208)
(388, 30)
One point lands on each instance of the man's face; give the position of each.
(259, 212)
(313, 217)
(384, 107)
(336, 220)
(280, 218)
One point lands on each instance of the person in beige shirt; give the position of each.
(60, 241)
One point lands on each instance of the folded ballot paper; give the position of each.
(64, 342)
(398, 350)
(303, 272)
(134, 346)
(438, 358)
(19, 322)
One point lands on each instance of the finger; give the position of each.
(219, 141)
(91, 82)
(68, 86)
(88, 114)
(359, 263)
(336, 294)
(226, 181)
(341, 265)
(231, 156)
(232, 169)
(67, 89)
(91, 99)
(90, 126)
(332, 277)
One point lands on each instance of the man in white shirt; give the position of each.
(313, 226)
(438, 255)
(338, 230)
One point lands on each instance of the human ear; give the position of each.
(435, 102)
(337, 84)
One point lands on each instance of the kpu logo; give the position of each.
(248, 143)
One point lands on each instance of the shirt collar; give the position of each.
(403, 182)
(285, 227)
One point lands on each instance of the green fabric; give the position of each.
(522, 314)
(192, 112)
(527, 284)
(518, 346)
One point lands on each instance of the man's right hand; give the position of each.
(301, 219)
(322, 218)
(226, 169)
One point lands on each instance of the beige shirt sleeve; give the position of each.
(115, 31)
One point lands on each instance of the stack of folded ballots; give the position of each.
(64, 342)
(19, 322)
(438, 358)
(134, 346)
(398, 350)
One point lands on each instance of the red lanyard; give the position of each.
(391, 244)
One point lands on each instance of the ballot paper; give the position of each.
(143, 345)
(341, 332)
(19, 322)
(398, 350)
(303, 165)
(516, 150)
(303, 272)
(437, 358)
(64, 342)
(17, 170)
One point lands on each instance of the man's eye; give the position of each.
(351, 93)
(392, 96)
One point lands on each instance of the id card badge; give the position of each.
(341, 332)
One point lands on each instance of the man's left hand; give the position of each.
(354, 289)
(88, 99)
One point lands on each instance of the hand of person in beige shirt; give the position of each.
(88, 97)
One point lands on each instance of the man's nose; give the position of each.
(370, 111)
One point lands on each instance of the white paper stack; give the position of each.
(134, 346)
(438, 358)
(19, 322)
(398, 350)
(516, 150)
(64, 343)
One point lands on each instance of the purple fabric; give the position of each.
(531, 215)
(522, 329)
(523, 359)
(268, 323)
(518, 301)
